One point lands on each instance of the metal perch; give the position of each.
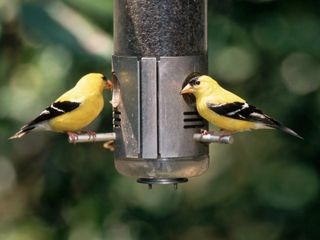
(209, 138)
(99, 137)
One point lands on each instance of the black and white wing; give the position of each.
(54, 110)
(243, 111)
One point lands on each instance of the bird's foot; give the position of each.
(92, 135)
(109, 84)
(204, 132)
(73, 137)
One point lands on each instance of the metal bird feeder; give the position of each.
(157, 44)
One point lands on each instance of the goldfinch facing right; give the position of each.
(228, 111)
(73, 110)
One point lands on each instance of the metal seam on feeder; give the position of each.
(99, 137)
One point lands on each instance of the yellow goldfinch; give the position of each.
(73, 110)
(226, 110)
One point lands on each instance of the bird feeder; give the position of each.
(158, 45)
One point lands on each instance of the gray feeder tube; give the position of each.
(157, 44)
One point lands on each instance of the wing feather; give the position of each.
(242, 111)
(54, 110)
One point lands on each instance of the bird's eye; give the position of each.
(104, 78)
(197, 82)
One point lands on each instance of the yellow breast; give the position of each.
(79, 118)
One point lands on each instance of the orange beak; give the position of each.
(108, 85)
(187, 89)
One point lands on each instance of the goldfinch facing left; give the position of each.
(73, 110)
(228, 111)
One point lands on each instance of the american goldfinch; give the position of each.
(73, 110)
(226, 110)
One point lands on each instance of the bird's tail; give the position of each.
(23, 131)
(268, 122)
(286, 130)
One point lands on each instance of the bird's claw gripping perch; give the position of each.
(92, 135)
(73, 137)
(204, 132)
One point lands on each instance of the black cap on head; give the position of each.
(190, 98)
(194, 81)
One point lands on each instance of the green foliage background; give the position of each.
(264, 186)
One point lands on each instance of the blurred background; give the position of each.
(264, 186)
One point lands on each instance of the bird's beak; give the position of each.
(187, 89)
(108, 85)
